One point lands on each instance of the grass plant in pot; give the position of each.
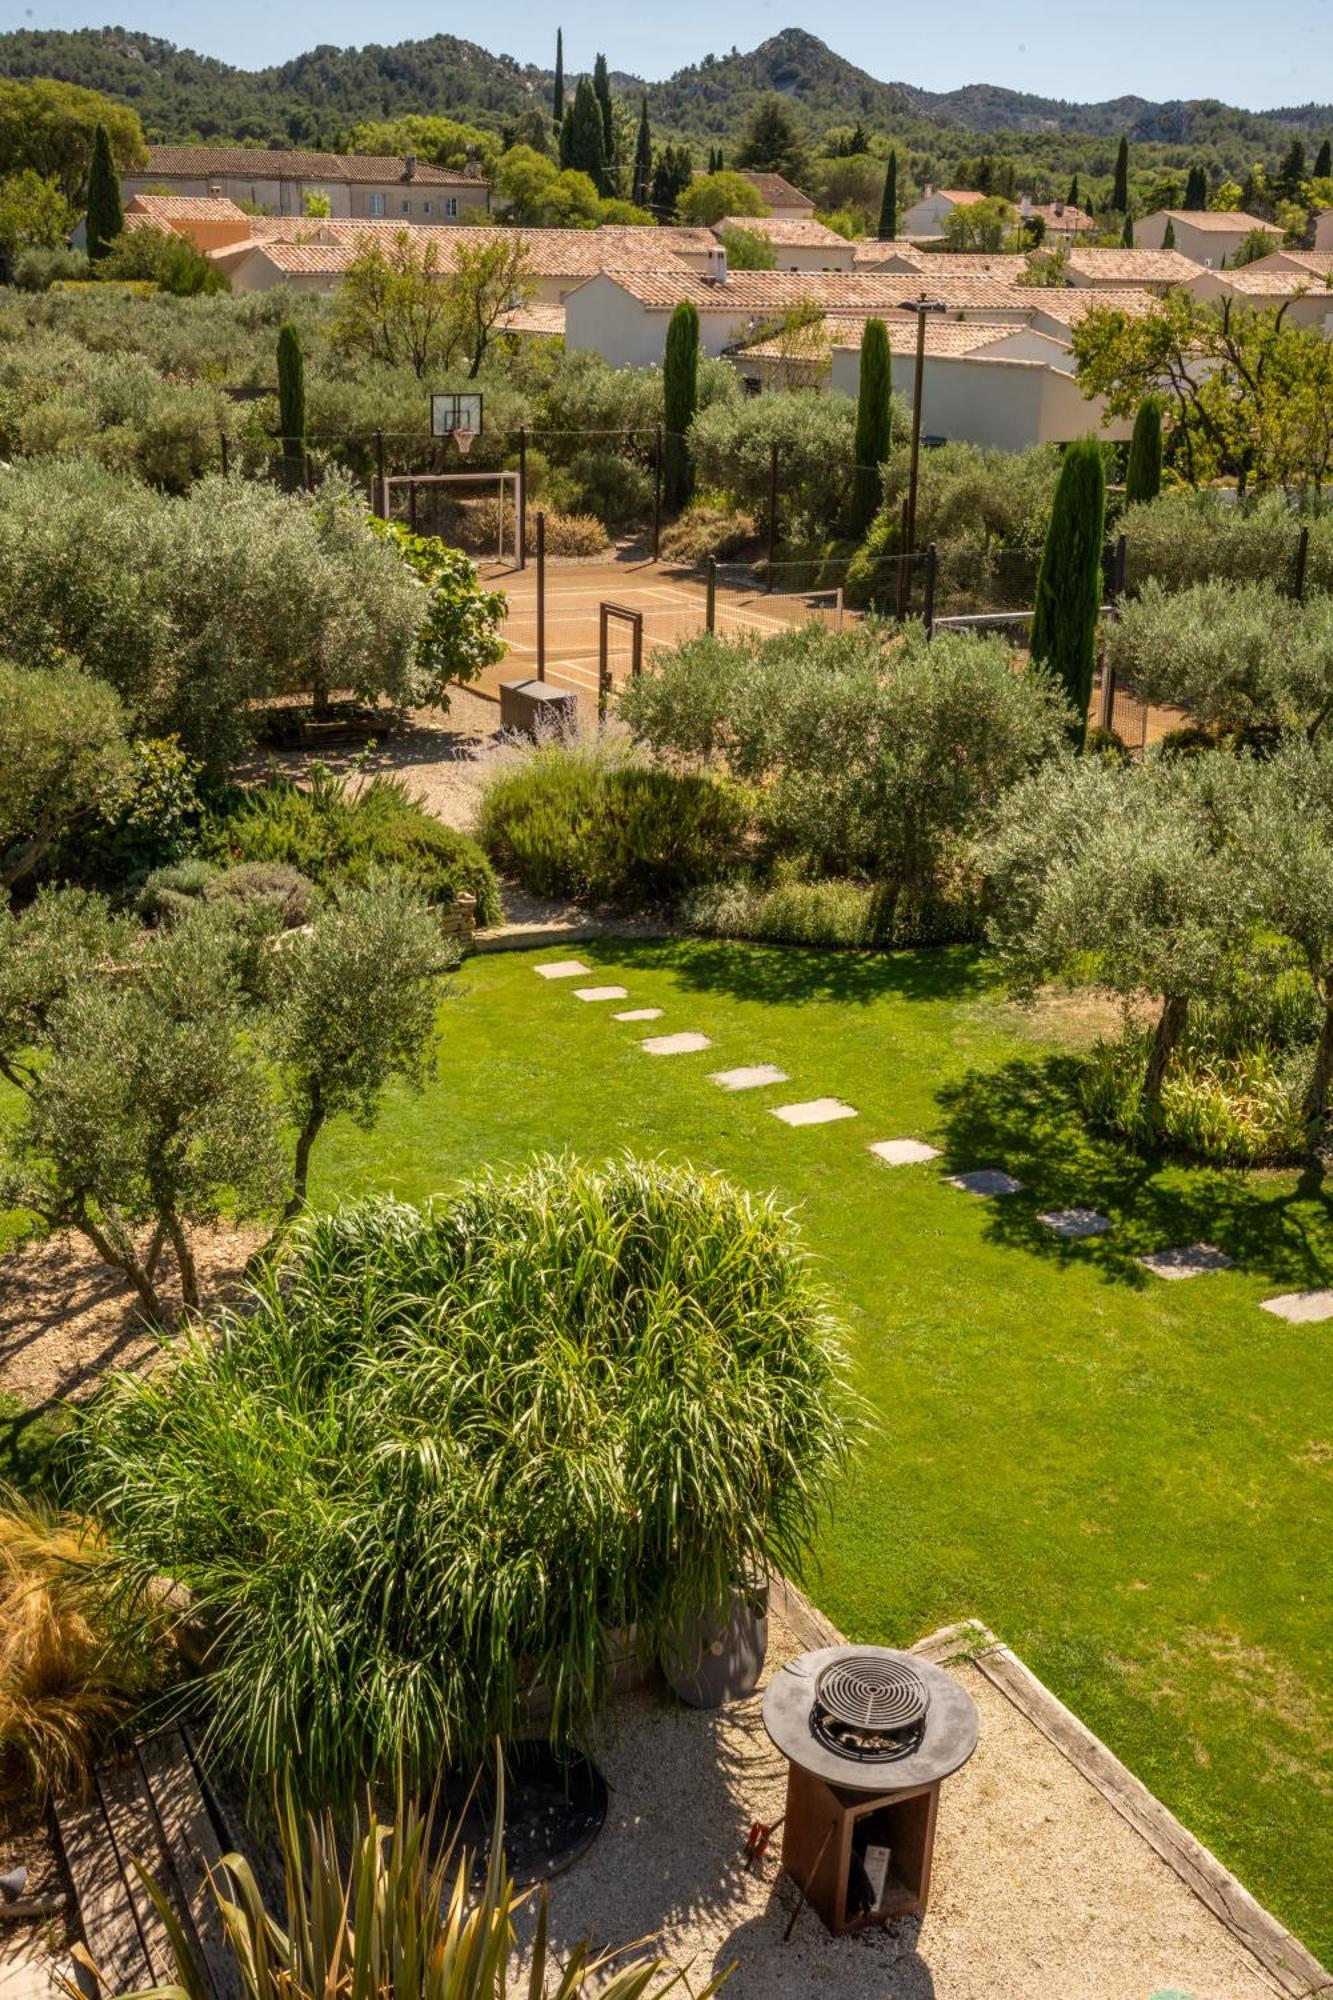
(445, 1452)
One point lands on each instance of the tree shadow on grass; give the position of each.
(1025, 1118)
(791, 974)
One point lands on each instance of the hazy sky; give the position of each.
(1275, 55)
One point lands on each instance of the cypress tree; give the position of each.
(888, 207)
(872, 427)
(1323, 162)
(1069, 582)
(106, 218)
(1120, 189)
(1071, 199)
(601, 89)
(582, 141)
(1143, 476)
(558, 96)
(1169, 235)
(1196, 190)
(291, 401)
(680, 388)
(641, 192)
(1127, 233)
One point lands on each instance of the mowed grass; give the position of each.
(1131, 1481)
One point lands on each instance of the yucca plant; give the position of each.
(70, 1669)
(446, 1451)
(397, 1919)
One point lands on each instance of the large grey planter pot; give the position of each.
(709, 1663)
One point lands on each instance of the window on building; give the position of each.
(451, 204)
(407, 206)
(376, 204)
(425, 208)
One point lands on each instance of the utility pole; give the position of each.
(920, 306)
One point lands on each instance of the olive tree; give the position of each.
(1122, 875)
(872, 758)
(64, 759)
(1238, 656)
(159, 1075)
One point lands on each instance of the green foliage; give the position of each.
(981, 225)
(163, 258)
(185, 605)
(1069, 582)
(601, 88)
(583, 137)
(1187, 538)
(712, 196)
(460, 633)
(772, 141)
(1237, 1110)
(413, 302)
(611, 485)
(873, 759)
(291, 393)
(732, 444)
(888, 212)
(105, 218)
(558, 95)
(147, 823)
(1143, 476)
(1120, 184)
(584, 820)
(170, 892)
(413, 1893)
(834, 914)
(64, 760)
(340, 834)
(748, 249)
(871, 444)
(680, 391)
(34, 214)
(486, 1433)
(52, 128)
(707, 528)
(37, 269)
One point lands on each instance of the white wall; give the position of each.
(1004, 401)
(926, 217)
(602, 316)
(1323, 229)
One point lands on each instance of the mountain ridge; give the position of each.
(180, 93)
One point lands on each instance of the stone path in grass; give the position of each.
(1191, 1260)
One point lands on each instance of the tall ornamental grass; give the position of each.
(450, 1449)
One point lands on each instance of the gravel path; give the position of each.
(1040, 1890)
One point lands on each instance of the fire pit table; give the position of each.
(870, 1735)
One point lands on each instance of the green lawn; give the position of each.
(1129, 1480)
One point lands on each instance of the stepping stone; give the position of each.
(639, 1014)
(601, 993)
(675, 1045)
(819, 1111)
(1194, 1261)
(563, 968)
(903, 1152)
(1076, 1221)
(1301, 1307)
(749, 1079)
(986, 1181)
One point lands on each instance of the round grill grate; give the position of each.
(867, 1708)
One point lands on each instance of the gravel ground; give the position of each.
(1040, 1890)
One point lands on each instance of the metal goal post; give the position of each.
(625, 615)
(504, 481)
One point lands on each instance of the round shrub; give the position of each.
(708, 528)
(436, 1463)
(604, 483)
(576, 820)
(169, 892)
(292, 895)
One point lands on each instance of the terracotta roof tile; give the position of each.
(1135, 267)
(788, 231)
(264, 163)
(777, 192)
(172, 208)
(1226, 223)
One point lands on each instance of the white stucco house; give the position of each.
(799, 243)
(926, 217)
(1323, 229)
(1305, 297)
(1202, 235)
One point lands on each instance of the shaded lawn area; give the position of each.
(1131, 1481)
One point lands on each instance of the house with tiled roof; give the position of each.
(926, 218)
(1304, 298)
(1156, 269)
(1205, 236)
(798, 242)
(276, 182)
(779, 196)
(210, 222)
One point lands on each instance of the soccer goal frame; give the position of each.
(504, 481)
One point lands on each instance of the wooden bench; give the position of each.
(149, 1807)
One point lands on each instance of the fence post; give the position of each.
(307, 472)
(226, 454)
(1121, 565)
(1302, 558)
(381, 479)
(412, 505)
(904, 565)
(603, 662)
(657, 490)
(772, 512)
(541, 594)
(522, 509)
(928, 608)
(710, 600)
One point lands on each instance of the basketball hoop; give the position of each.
(464, 440)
